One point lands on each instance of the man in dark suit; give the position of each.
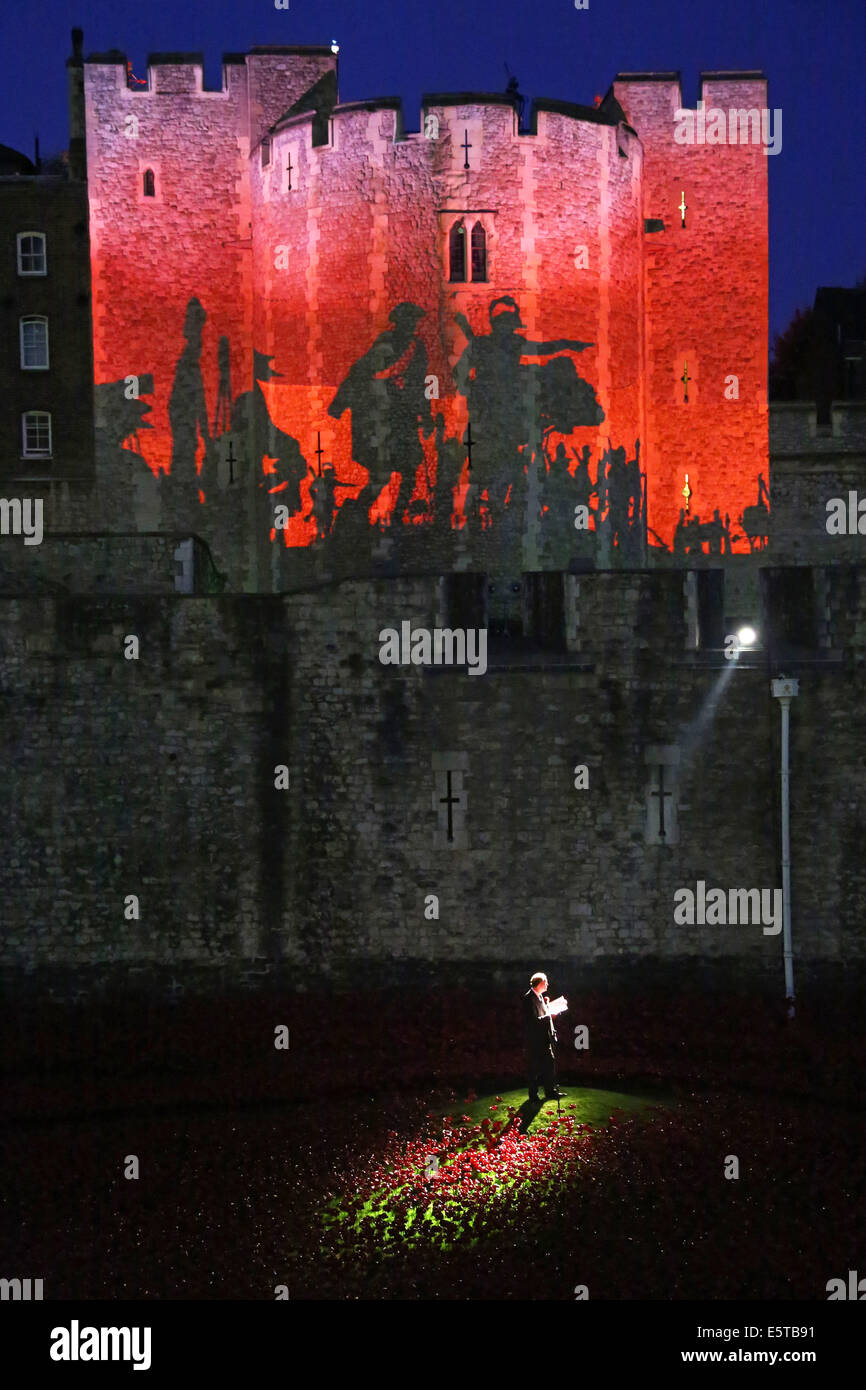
(540, 1040)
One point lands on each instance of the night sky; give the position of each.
(812, 51)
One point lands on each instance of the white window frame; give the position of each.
(29, 366)
(40, 415)
(44, 239)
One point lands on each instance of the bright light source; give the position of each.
(335, 47)
(747, 636)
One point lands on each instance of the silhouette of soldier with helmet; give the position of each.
(323, 494)
(384, 390)
(187, 409)
(508, 405)
(283, 466)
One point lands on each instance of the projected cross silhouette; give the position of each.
(685, 379)
(289, 168)
(319, 450)
(661, 794)
(466, 147)
(469, 441)
(450, 801)
(682, 207)
(231, 461)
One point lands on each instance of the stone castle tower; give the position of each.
(251, 245)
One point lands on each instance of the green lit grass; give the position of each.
(584, 1104)
(450, 1220)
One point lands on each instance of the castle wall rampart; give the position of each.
(818, 477)
(333, 870)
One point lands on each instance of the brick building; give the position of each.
(46, 361)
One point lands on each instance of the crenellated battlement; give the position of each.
(814, 462)
(182, 74)
(660, 91)
(498, 111)
(497, 114)
(796, 430)
(374, 124)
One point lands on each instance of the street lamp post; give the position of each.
(784, 690)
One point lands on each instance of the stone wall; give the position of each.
(140, 777)
(812, 465)
(111, 563)
(156, 777)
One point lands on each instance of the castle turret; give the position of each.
(706, 284)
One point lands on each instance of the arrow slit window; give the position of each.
(449, 799)
(662, 821)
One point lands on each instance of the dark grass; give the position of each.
(241, 1150)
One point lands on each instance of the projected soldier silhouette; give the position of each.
(384, 390)
(187, 409)
(512, 405)
(277, 458)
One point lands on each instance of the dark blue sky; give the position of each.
(812, 51)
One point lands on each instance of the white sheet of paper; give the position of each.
(557, 1006)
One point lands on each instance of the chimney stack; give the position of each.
(75, 85)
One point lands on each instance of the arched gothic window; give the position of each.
(479, 252)
(149, 184)
(467, 262)
(457, 252)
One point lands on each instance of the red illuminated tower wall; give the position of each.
(706, 293)
(301, 250)
(192, 239)
(366, 226)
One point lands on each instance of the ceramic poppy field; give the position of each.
(360, 1169)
